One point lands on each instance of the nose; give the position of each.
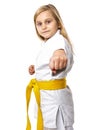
(43, 26)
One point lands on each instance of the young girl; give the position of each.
(53, 96)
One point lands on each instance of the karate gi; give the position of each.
(56, 105)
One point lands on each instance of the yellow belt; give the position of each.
(37, 86)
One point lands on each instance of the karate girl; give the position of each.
(53, 62)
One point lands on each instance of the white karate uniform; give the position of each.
(56, 105)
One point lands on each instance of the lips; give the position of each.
(45, 32)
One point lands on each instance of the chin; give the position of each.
(47, 37)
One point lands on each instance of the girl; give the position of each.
(53, 96)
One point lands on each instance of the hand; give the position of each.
(31, 69)
(58, 61)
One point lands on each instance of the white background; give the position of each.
(18, 48)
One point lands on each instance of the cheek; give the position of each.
(38, 29)
(55, 28)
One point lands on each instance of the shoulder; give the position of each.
(60, 40)
(57, 41)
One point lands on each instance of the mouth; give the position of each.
(45, 32)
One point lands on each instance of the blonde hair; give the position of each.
(57, 17)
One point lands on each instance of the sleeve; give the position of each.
(69, 55)
(59, 43)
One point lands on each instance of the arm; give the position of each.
(58, 61)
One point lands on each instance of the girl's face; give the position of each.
(46, 24)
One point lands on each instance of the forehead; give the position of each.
(44, 15)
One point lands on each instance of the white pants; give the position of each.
(67, 128)
(57, 109)
(57, 117)
(60, 123)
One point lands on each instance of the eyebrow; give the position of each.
(45, 20)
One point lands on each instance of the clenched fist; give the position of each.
(58, 61)
(31, 69)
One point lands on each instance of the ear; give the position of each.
(59, 25)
